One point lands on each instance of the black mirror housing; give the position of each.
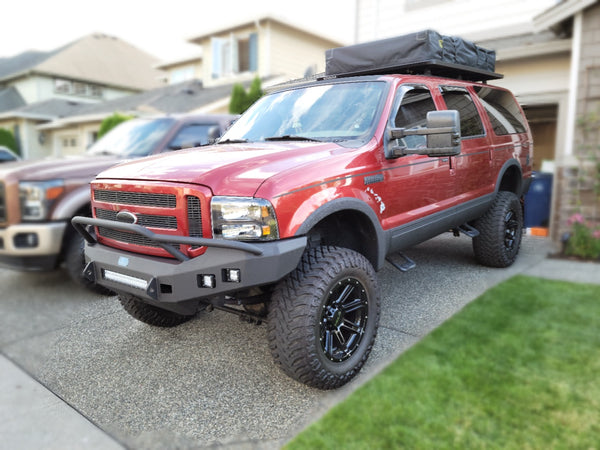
(442, 132)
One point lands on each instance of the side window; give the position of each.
(460, 100)
(412, 112)
(194, 136)
(503, 111)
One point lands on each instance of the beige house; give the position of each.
(37, 87)
(267, 47)
(540, 48)
(185, 69)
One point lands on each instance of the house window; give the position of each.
(70, 87)
(235, 54)
(181, 74)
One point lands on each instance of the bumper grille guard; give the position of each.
(167, 242)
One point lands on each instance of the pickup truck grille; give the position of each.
(2, 203)
(178, 213)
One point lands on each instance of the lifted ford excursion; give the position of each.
(289, 216)
(38, 198)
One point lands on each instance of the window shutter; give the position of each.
(253, 52)
(216, 45)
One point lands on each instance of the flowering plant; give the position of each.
(584, 239)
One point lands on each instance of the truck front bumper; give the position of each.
(225, 267)
(32, 246)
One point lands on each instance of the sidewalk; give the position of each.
(32, 416)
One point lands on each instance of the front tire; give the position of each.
(75, 263)
(500, 232)
(151, 314)
(323, 317)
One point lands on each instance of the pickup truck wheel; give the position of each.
(75, 263)
(323, 317)
(150, 314)
(500, 231)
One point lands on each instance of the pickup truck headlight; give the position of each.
(244, 219)
(37, 197)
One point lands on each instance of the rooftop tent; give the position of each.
(425, 52)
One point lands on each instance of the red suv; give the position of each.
(289, 216)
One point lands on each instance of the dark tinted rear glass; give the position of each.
(460, 100)
(503, 111)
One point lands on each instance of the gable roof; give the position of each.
(10, 99)
(96, 58)
(258, 21)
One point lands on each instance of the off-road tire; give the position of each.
(75, 263)
(309, 307)
(500, 232)
(151, 314)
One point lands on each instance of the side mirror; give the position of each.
(442, 132)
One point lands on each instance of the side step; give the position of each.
(467, 229)
(406, 266)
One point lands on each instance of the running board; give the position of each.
(467, 229)
(406, 266)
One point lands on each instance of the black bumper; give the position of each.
(166, 280)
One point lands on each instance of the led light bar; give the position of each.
(127, 280)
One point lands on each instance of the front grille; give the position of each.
(175, 211)
(2, 203)
(124, 236)
(136, 198)
(146, 220)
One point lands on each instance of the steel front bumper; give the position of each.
(225, 267)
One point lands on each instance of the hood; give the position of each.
(75, 167)
(234, 169)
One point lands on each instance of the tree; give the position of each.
(242, 100)
(110, 122)
(8, 140)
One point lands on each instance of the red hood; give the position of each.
(235, 169)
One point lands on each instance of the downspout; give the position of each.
(573, 84)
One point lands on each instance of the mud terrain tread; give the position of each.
(489, 246)
(295, 306)
(150, 314)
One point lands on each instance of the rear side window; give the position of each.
(503, 111)
(459, 99)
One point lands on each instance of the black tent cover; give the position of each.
(425, 52)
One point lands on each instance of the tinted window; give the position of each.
(460, 100)
(337, 111)
(503, 111)
(412, 113)
(194, 136)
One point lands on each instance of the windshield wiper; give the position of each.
(291, 137)
(233, 141)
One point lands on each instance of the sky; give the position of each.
(160, 28)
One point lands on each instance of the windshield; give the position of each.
(136, 137)
(326, 112)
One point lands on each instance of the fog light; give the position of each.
(206, 281)
(26, 240)
(232, 275)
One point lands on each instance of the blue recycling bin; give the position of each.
(538, 200)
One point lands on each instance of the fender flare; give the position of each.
(512, 162)
(350, 204)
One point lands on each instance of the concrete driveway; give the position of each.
(110, 381)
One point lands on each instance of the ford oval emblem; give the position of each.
(127, 217)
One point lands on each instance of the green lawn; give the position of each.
(517, 368)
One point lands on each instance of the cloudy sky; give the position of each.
(160, 28)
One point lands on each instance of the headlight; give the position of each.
(243, 218)
(37, 197)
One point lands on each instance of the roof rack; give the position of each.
(424, 53)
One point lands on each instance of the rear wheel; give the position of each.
(500, 232)
(150, 314)
(323, 317)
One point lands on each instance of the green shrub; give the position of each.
(8, 140)
(110, 122)
(584, 240)
(242, 100)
